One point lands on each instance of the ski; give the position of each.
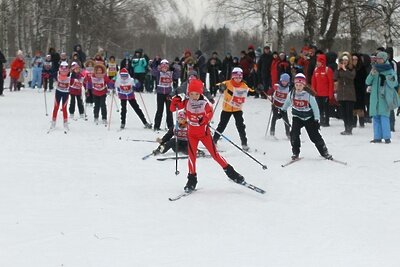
(253, 187)
(182, 157)
(139, 140)
(396, 161)
(147, 156)
(185, 194)
(290, 162)
(50, 130)
(338, 161)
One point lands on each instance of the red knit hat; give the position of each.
(124, 71)
(195, 85)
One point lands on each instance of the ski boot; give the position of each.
(191, 183)
(233, 175)
(148, 125)
(122, 126)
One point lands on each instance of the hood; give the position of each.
(321, 58)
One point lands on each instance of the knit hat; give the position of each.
(285, 77)
(181, 115)
(74, 65)
(250, 47)
(300, 78)
(237, 73)
(20, 53)
(63, 68)
(124, 73)
(195, 85)
(382, 55)
(164, 61)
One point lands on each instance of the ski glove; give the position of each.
(175, 101)
(222, 87)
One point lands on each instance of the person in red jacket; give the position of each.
(198, 114)
(274, 68)
(17, 66)
(322, 83)
(100, 85)
(75, 90)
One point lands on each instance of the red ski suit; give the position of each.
(198, 114)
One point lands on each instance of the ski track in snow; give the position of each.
(88, 199)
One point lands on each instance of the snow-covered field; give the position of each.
(86, 198)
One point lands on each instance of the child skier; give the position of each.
(305, 114)
(167, 141)
(235, 93)
(62, 94)
(125, 85)
(112, 68)
(164, 89)
(279, 95)
(47, 72)
(198, 114)
(100, 84)
(89, 69)
(75, 90)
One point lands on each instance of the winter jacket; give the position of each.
(304, 106)
(322, 79)
(139, 65)
(383, 92)
(264, 66)
(345, 85)
(274, 71)
(227, 67)
(198, 115)
(359, 86)
(2, 60)
(235, 95)
(16, 68)
(76, 83)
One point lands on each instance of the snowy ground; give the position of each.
(88, 199)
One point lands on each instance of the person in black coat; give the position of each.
(264, 68)
(360, 87)
(2, 61)
(81, 54)
(201, 65)
(55, 64)
(227, 67)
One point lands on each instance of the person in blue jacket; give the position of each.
(382, 80)
(139, 67)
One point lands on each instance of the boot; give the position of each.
(362, 122)
(355, 121)
(323, 151)
(148, 125)
(191, 183)
(122, 126)
(233, 175)
(295, 156)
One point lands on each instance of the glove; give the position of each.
(383, 79)
(203, 120)
(159, 140)
(175, 101)
(222, 88)
(212, 101)
(317, 125)
(398, 112)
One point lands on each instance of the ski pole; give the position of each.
(215, 107)
(116, 102)
(111, 106)
(176, 141)
(238, 147)
(270, 100)
(45, 102)
(145, 109)
(269, 122)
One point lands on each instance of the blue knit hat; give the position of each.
(285, 77)
(382, 55)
